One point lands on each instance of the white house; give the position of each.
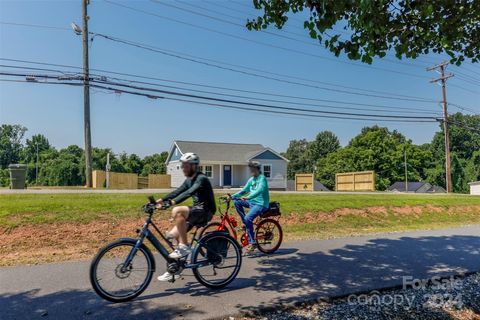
(226, 163)
(475, 187)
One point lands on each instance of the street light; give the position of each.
(76, 28)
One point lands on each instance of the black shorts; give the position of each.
(198, 217)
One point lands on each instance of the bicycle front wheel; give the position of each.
(218, 260)
(269, 236)
(112, 279)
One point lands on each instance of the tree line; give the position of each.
(65, 167)
(379, 149)
(374, 148)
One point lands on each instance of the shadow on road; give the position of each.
(78, 304)
(376, 264)
(287, 277)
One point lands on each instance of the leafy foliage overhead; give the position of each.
(374, 27)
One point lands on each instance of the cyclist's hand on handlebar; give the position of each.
(159, 204)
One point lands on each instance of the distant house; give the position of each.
(416, 187)
(226, 163)
(475, 187)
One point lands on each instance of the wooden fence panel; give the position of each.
(355, 181)
(159, 181)
(142, 182)
(130, 180)
(304, 182)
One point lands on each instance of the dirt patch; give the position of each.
(34, 244)
(412, 211)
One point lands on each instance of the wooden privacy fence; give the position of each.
(355, 181)
(304, 182)
(130, 180)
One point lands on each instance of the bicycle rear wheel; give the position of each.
(269, 236)
(114, 281)
(218, 259)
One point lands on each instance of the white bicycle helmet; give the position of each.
(190, 157)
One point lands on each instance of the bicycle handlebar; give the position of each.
(151, 206)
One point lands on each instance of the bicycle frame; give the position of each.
(146, 233)
(226, 219)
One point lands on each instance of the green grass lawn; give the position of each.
(38, 228)
(20, 209)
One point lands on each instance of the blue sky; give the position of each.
(144, 126)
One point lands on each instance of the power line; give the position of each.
(255, 69)
(258, 104)
(222, 103)
(262, 43)
(34, 26)
(216, 87)
(228, 21)
(175, 55)
(370, 107)
(264, 31)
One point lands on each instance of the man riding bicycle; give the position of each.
(198, 187)
(254, 196)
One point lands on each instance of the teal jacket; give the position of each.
(257, 190)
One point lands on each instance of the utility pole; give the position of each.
(442, 66)
(36, 167)
(86, 98)
(406, 168)
(107, 170)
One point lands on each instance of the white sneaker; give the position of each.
(167, 276)
(180, 252)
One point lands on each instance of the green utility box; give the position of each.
(18, 173)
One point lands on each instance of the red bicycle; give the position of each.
(268, 232)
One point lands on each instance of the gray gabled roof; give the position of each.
(412, 186)
(220, 151)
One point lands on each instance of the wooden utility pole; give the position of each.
(86, 98)
(442, 66)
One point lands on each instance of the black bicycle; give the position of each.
(123, 269)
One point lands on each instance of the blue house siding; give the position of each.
(174, 155)
(267, 155)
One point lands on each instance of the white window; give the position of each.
(208, 170)
(267, 170)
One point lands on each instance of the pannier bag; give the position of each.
(273, 210)
(215, 247)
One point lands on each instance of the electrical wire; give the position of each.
(262, 43)
(175, 55)
(215, 87)
(278, 110)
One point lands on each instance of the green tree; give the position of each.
(29, 154)
(325, 142)
(155, 164)
(378, 149)
(131, 163)
(10, 143)
(372, 28)
(464, 140)
(297, 154)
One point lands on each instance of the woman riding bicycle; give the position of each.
(254, 196)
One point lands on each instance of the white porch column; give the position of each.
(221, 175)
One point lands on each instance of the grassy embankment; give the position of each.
(51, 227)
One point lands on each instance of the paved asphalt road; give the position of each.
(300, 271)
